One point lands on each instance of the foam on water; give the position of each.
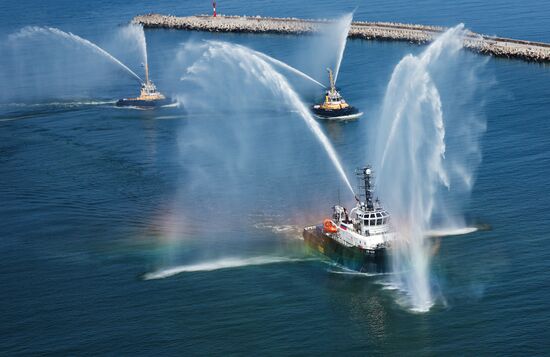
(451, 231)
(225, 263)
(60, 104)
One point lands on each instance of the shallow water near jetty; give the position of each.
(88, 207)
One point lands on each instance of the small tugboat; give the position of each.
(334, 107)
(148, 98)
(359, 240)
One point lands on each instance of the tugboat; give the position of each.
(359, 240)
(148, 98)
(334, 107)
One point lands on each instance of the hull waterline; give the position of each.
(143, 103)
(352, 258)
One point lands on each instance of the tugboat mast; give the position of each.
(365, 182)
(331, 78)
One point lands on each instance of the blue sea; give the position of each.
(141, 232)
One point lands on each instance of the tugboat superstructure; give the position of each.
(149, 96)
(334, 106)
(358, 240)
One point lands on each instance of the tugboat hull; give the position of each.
(348, 113)
(353, 258)
(143, 103)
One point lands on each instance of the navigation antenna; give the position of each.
(365, 177)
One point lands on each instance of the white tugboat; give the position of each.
(358, 240)
(334, 107)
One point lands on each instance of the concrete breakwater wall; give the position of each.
(496, 46)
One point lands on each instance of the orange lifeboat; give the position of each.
(329, 226)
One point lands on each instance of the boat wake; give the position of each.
(19, 111)
(343, 271)
(225, 263)
(68, 104)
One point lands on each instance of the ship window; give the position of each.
(384, 221)
(379, 221)
(379, 215)
(366, 222)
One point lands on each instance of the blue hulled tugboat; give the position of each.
(334, 107)
(149, 96)
(358, 240)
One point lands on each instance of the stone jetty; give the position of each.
(495, 46)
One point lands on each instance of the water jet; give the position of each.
(412, 160)
(149, 96)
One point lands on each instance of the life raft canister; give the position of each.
(329, 227)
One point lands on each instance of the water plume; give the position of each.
(248, 60)
(342, 28)
(135, 36)
(287, 67)
(68, 36)
(325, 49)
(412, 158)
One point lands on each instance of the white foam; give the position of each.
(451, 231)
(225, 263)
(354, 273)
(59, 104)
